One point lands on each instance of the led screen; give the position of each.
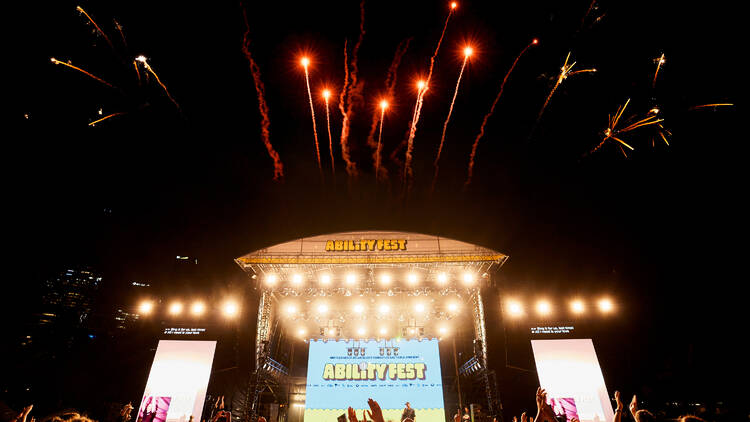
(346, 373)
(569, 371)
(176, 386)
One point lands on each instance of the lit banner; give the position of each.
(346, 373)
(176, 387)
(569, 371)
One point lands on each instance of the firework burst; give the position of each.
(565, 71)
(90, 75)
(614, 132)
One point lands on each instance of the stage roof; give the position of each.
(370, 248)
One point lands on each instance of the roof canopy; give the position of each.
(373, 248)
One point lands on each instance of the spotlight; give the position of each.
(453, 306)
(543, 307)
(291, 309)
(231, 308)
(515, 308)
(412, 331)
(301, 332)
(297, 279)
(412, 278)
(384, 308)
(468, 278)
(146, 307)
(606, 305)
(443, 330)
(351, 279)
(325, 279)
(383, 331)
(175, 308)
(442, 278)
(331, 331)
(577, 306)
(271, 279)
(361, 331)
(419, 307)
(385, 279)
(198, 308)
(359, 308)
(322, 308)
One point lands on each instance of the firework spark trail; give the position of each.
(390, 86)
(145, 64)
(96, 78)
(326, 95)
(106, 117)
(265, 123)
(467, 53)
(565, 71)
(98, 29)
(305, 62)
(613, 132)
(137, 72)
(343, 108)
(122, 34)
(660, 61)
(383, 106)
(489, 114)
(710, 105)
(408, 171)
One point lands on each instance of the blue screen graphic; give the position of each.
(346, 373)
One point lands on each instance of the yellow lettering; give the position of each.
(339, 245)
(380, 244)
(371, 371)
(340, 370)
(400, 371)
(387, 245)
(329, 245)
(328, 372)
(420, 368)
(392, 371)
(410, 374)
(402, 244)
(355, 372)
(348, 371)
(371, 244)
(381, 370)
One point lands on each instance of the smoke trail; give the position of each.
(380, 138)
(390, 86)
(489, 114)
(445, 125)
(265, 124)
(343, 108)
(408, 171)
(106, 117)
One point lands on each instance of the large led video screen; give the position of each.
(176, 386)
(569, 371)
(346, 373)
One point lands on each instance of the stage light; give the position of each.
(331, 331)
(515, 309)
(443, 330)
(384, 309)
(412, 331)
(385, 279)
(543, 307)
(145, 307)
(198, 308)
(359, 308)
(271, 279)
(412, 278)
(175, 308)
(325, 279)
(297, 279)
(442, 278)
(230, 308)
(361, 331)
(577, 306)
(419, 307)
(383, 331)
(301, 332)
(351, 279)
(468, 278)
(291, 309)
(453, 307)
(606, 305)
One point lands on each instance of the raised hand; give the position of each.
(634, 407)
(618, 410)
(515, 419)
(541, 398)
(375, 413)
(524, 418)
(352, 415)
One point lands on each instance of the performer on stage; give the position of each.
(408, 413)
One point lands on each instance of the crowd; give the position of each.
(544, 413)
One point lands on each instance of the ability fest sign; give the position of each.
(341, 374)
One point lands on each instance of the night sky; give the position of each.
(658, 231)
